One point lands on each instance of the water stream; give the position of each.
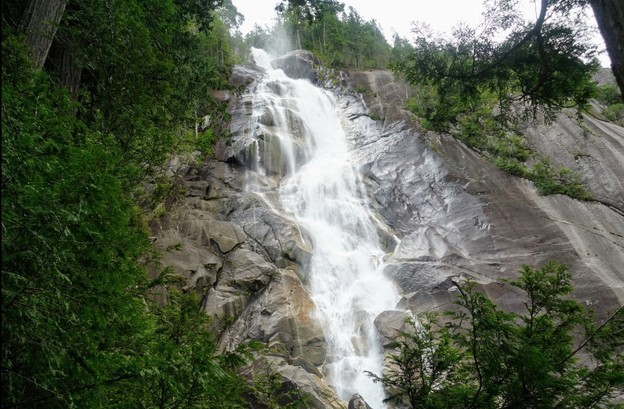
(323, 192)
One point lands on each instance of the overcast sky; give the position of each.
(393, 15)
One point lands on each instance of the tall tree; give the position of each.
(39, 22)
(76, 327)
(610, 17)
(307, 15)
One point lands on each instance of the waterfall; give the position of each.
(322, 191)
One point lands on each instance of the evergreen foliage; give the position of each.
(609, 96)
(538, 67)
(503, 145)
(79, 328)
(485, 357)
(341, 38)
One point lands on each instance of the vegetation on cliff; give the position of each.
(482, 356)
(481, 84)
(528, 67)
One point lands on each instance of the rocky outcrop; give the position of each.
(456, 215)
(244, 260)
(358, 402)
(390, 325)
(592, 149)
(442, 211)
(298, 64)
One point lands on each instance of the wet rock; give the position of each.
(243, 75)
(205, 229)
(592, 149)
(358, 402)
(283, 241)
(188, 257)
(390, 325)
(196, 188)
(244, 274)
(456, 215)
(221, 95)
(443, 212)
(283, 314)
(319, 395)
(247, 270)
(224, 305)
(298, 64)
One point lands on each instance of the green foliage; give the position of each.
(206, 141)
(269, 390)
(180, 365)
(615, 113)
(484, 357)
(500, 143)
(539, 67)
(78, 327)
(426, 356)
(550, 180)
(342, 39)
(609, 96)
(159, 72)
(71, 241)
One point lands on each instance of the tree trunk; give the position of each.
(297, 39)
(324, 34)
(39, 23)
(610, 18)
(62, 62)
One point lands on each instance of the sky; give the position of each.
(395, 15)
(390, 14)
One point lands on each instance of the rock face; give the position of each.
(456, 215)
(358, 402)
(443, 213)
(299, 64)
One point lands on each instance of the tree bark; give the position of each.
(610, 18)
(39, 23)
(63, 63)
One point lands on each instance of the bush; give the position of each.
(549, 180)
(485, 357)
(608, 94)
(615, 113)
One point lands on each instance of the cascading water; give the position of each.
(322, 191)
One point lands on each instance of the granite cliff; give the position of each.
(442, 213)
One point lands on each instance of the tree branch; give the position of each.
(588, 339)
(537, 27)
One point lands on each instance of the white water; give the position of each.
(322, 190)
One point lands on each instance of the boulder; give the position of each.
(390, 324)
(298, 64)
(247, 270)
(289, 377)
(283, 314)
(283, 241)
(204, 229)
(244, 75)
(188, 257)
(358, 402)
